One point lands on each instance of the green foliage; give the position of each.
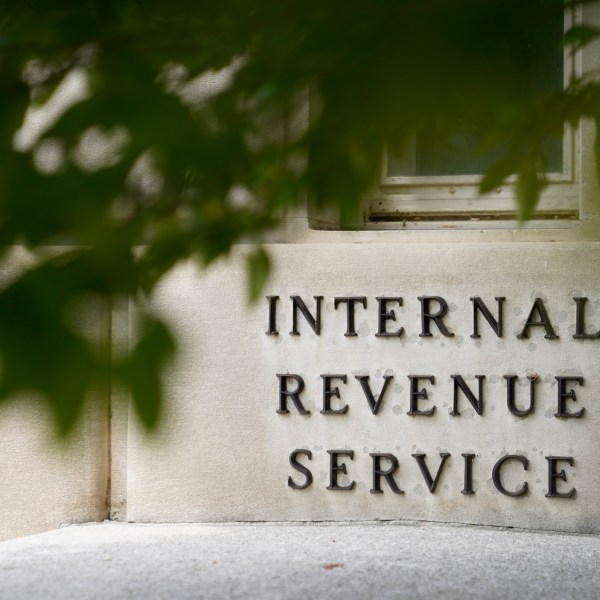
(259, 267)
(142, 369)
(579, 36)
(198, 167)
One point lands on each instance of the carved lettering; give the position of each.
(461, 385)
(387, 474)
(430, 482)
(496, 472)
(328, 392)
(314, 322)
(553, 475)
(427, 315)
(308, 478)
(385, 315)
(480, 307)
(335, 468)
(294, 395)
(350, 302)
(417, 394)
(510, 396)
(364, 383)
(538, 309)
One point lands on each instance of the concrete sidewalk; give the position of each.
(345, 561)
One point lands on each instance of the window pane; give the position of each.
(457, 152)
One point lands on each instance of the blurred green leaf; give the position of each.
(259, 267)
(39, 348)
(597, 146)
(528, 189)
(496, 174)
(580, 35)
(144, 370)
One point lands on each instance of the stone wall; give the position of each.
(223, 450)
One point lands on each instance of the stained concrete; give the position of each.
(288, 561)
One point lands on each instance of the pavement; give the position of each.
(376, 560)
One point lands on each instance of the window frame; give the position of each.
(456, 197)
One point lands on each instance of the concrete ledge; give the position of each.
(272, 560)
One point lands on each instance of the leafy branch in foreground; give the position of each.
(179, 142)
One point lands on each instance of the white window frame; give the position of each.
(402, 199)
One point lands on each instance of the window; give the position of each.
(436, 176)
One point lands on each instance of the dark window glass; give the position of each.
(458, 152)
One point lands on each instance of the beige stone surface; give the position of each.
(46, 482)
(222, 452)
